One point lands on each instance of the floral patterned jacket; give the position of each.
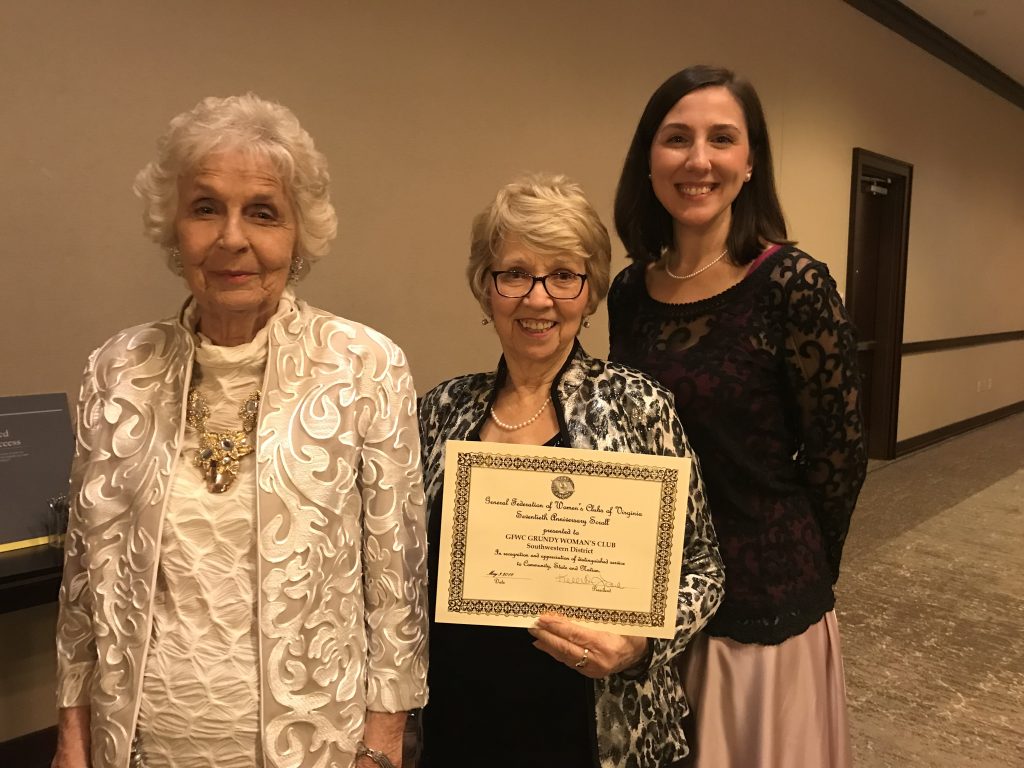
(609, 407)
(341, 563)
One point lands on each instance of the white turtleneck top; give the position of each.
(200, 694)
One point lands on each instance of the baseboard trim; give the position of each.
(33, 750)
(941, 345)
(917, 442)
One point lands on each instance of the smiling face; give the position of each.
(700, 159)
(236, 233)
(537, 330)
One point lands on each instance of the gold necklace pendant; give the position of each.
(219, 452)
(218, 456)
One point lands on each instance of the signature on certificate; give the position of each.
(597, 583)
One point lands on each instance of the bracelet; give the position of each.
(374, 754)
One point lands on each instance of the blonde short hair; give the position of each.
(550, 215)
(250, 124)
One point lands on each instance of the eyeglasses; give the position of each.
(515, 284)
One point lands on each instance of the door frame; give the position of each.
(890, 300)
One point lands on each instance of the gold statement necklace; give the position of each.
(219, 453)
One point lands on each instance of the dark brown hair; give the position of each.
(643, 224)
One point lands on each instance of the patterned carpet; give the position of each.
(931, 606)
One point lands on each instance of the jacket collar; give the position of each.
(569, 378)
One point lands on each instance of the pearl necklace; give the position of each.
(673, 275)
(520, 425)
(219, 452)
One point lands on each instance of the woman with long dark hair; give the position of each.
(750, 335)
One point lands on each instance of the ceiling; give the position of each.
(993, 29)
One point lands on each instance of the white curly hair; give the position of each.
(253, 125)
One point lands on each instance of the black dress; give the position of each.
(495, 700)
(766, 384)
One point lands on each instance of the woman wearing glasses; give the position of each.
(562, 694)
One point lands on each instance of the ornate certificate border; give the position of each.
(661, 574)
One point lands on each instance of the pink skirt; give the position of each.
(769, 706)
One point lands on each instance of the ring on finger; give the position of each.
(583, 659)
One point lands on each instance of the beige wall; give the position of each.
(425, 108)
(424, 112)
(940, 389)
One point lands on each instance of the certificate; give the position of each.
(593, 535)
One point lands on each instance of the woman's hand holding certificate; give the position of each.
(593, 652)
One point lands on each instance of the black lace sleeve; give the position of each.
(822, 368)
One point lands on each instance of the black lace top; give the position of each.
(766, 385)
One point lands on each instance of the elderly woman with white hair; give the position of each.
(245, 577)
(569, 695)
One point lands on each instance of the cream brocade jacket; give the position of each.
(341, 565)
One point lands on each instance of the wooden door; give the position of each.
(876, 278)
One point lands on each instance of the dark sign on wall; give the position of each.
(36, 446)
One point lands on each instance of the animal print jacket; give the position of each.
(609, 407)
